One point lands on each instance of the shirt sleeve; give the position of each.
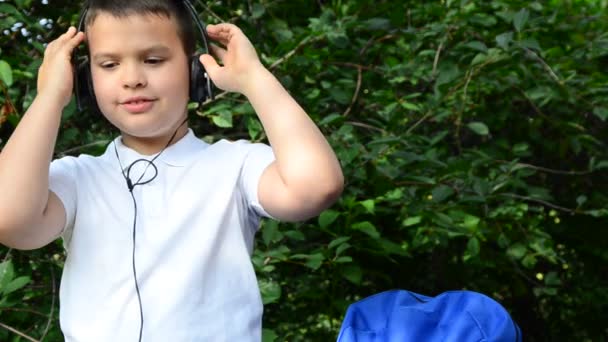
(63, 184)
(257, 159)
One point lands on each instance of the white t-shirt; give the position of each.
(195, 230)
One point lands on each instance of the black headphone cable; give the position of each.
(131, 186)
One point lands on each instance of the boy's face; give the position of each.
(140, 75)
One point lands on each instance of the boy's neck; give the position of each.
(153, 145)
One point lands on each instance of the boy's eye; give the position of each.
(108, 65)
(153, 60)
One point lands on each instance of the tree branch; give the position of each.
(356, 94)
(532, 199)
(17, 332)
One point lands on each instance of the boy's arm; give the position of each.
(31, 216)
(306, 176)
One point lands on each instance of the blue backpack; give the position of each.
(400, 315)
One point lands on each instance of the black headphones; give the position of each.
(200, 83)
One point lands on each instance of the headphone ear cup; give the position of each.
(200, 84)
(83, 86)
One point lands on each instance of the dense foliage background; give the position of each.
(472, 136)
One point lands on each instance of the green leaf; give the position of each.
(16, 284)
(412, 220)
(422, 179)
(441, 193)
(369, 205)
(340, 95)
(580, 200)
(268, 335)
(530, 44)
(447, 73)
(6, 73)
(520, 18)
(342, 248)
(504, 39)
(410, 106)
(271, 233)
(377, 24)
(344, 259)
(368, 228)
(295, 235)
(529, 261)
(257, 10)
(601, 113)
(223, 120)
(6, 273)
(552, 279)
(517, 251)
(270, 290)
(473, 247)
(601, 165)
(327, 217)
(477, 45)
(352, 273)
(315, 261)
(479, 58)
(330, 119)
(482, 19)
(471, 222)
(479, 128)
(254, 128)
(338, 241)
(7, 9)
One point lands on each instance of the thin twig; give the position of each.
(532, 199)
(364, 125)
(211, 11)
(353, 65)
(422, 119)
(459, 117)
(436, 60)
(53, 295)
(545, 66)
(356, 94)
(372, 41)
(452, 91)
(293, 51)
(25, 310)
(523, 274)
(17, 332)
(553, 171)
(9, 103)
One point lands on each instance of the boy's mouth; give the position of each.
(136, 105)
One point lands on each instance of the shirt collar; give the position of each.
(177, 154)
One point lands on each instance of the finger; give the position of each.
(67, 34)
(222, 32)
(62, 40)
(75, 41)
(218, 51)
(210, 64)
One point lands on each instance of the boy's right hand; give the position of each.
(55, 76)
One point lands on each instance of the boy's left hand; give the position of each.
(239, 59)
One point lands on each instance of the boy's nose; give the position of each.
(133, 77)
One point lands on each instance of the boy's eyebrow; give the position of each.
(163, 49)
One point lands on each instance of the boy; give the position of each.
(159, 250)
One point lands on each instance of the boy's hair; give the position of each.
(169, 8)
